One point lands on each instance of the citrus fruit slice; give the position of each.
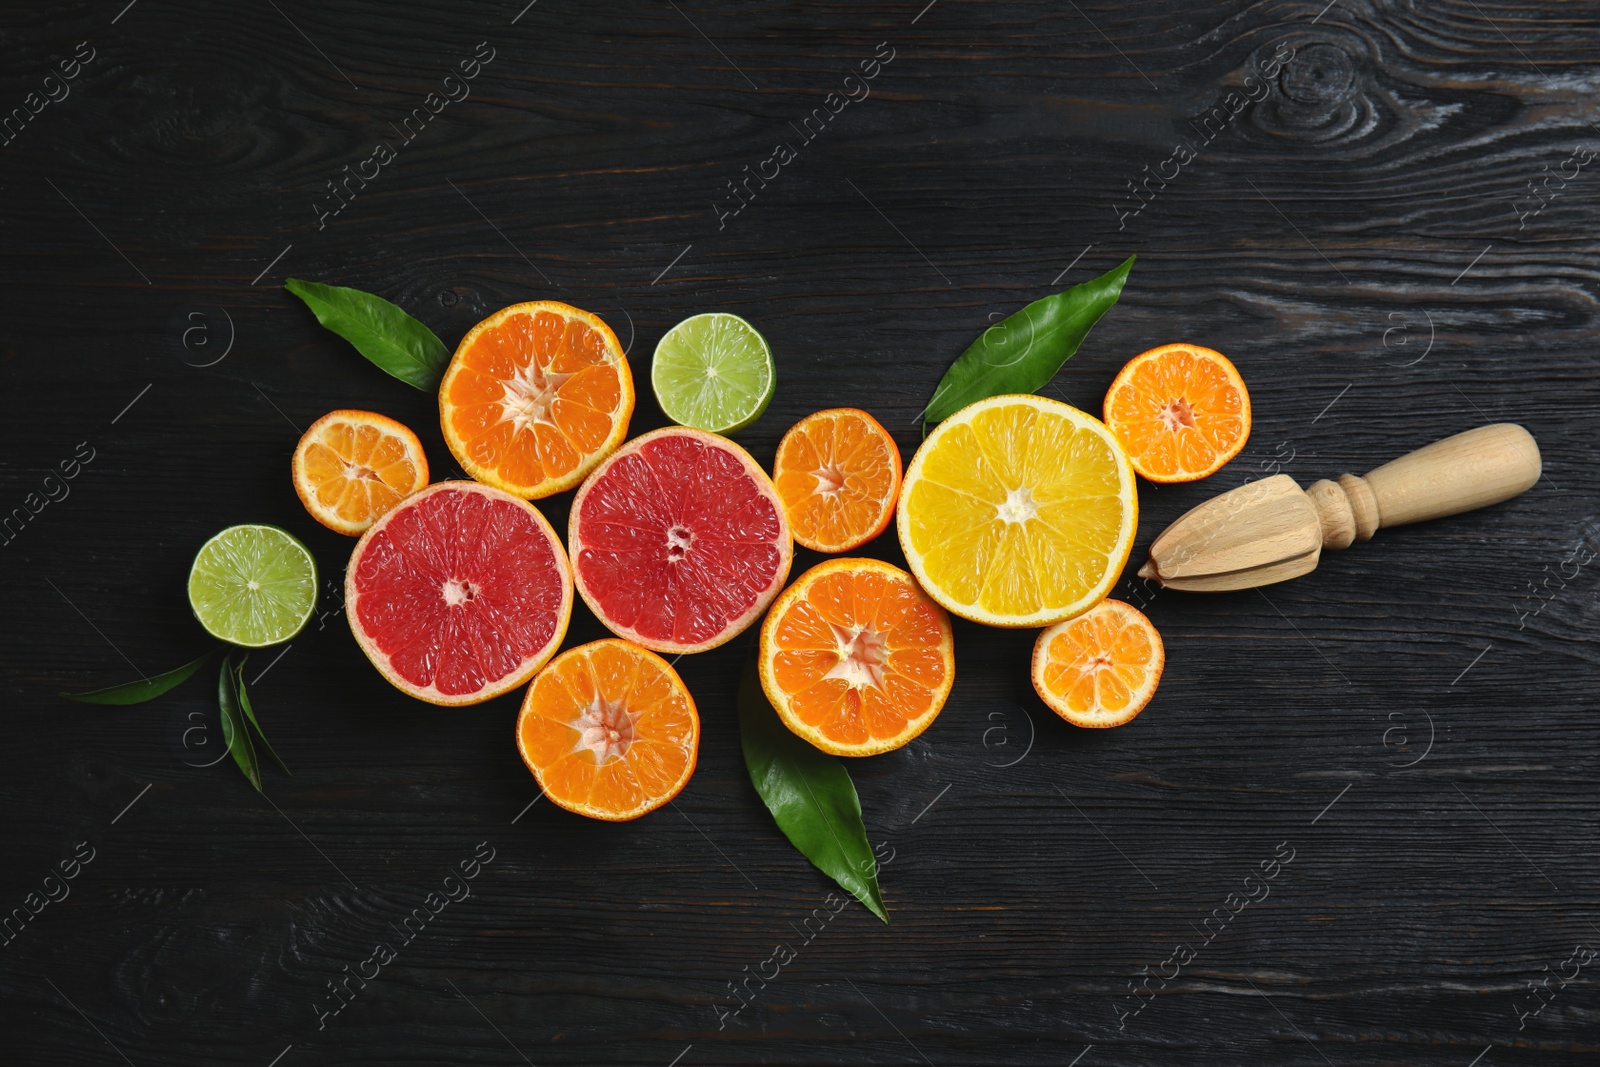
(837, 473)
(253, 585)
(351, 467)
(678, 540)
(459, 594)
(1018, 511)
(855, 658)
(1101, 668)
(609, 730)
(535, 395)
(713, 372)
(1180, 412)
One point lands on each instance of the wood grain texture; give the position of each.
(1392, 235)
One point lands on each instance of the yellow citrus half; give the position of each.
(1018, 511)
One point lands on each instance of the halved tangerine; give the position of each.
(535, 396)
(838, 475)
(352, 467)
(609, 730)
(1101, 668)
(855, 658)
(1179, 411)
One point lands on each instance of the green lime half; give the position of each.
(253, 585)
(713, 372)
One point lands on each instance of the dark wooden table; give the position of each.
(1383, 210)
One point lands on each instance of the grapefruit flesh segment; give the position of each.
(459, 594)
(534, 397)
(609, 730)
(679, 541)
(855, 658)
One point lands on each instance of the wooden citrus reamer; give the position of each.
(1272, 530)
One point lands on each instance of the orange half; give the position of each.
(1179, 411)
(609, 730)
(352, 467)
(838, 475)
(535, 396)
(1101, 668)
(855, 658)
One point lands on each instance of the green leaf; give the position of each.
(142, 690)
(249, 713)
(233, 727)
(810, 795)
(1022, 352)
(381, 331)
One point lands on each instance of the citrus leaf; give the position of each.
(1023, 351)
(249, 713)
(381, 331)
(142, 690)
(234, 732)
(810, 795)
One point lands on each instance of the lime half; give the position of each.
(253, 585)
(713, 372)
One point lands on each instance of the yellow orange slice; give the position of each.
(1018, 511)
(855, 658)
(609, 730)
(352, 467)
(838, 474)
(1180, 411)
(535, 395)
(1101, 668)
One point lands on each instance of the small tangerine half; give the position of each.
(1179, 411)
(838, 475)
(609, 730)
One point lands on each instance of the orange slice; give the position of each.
(534, 397)
(838, 474)
(1101, 668)
(609, 730)
(855, 657)
(1180, 412)
(352, 467)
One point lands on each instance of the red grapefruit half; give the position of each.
(459, 594)
(678, 540)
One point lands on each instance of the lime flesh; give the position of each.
(713, 372)
(253, 585)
